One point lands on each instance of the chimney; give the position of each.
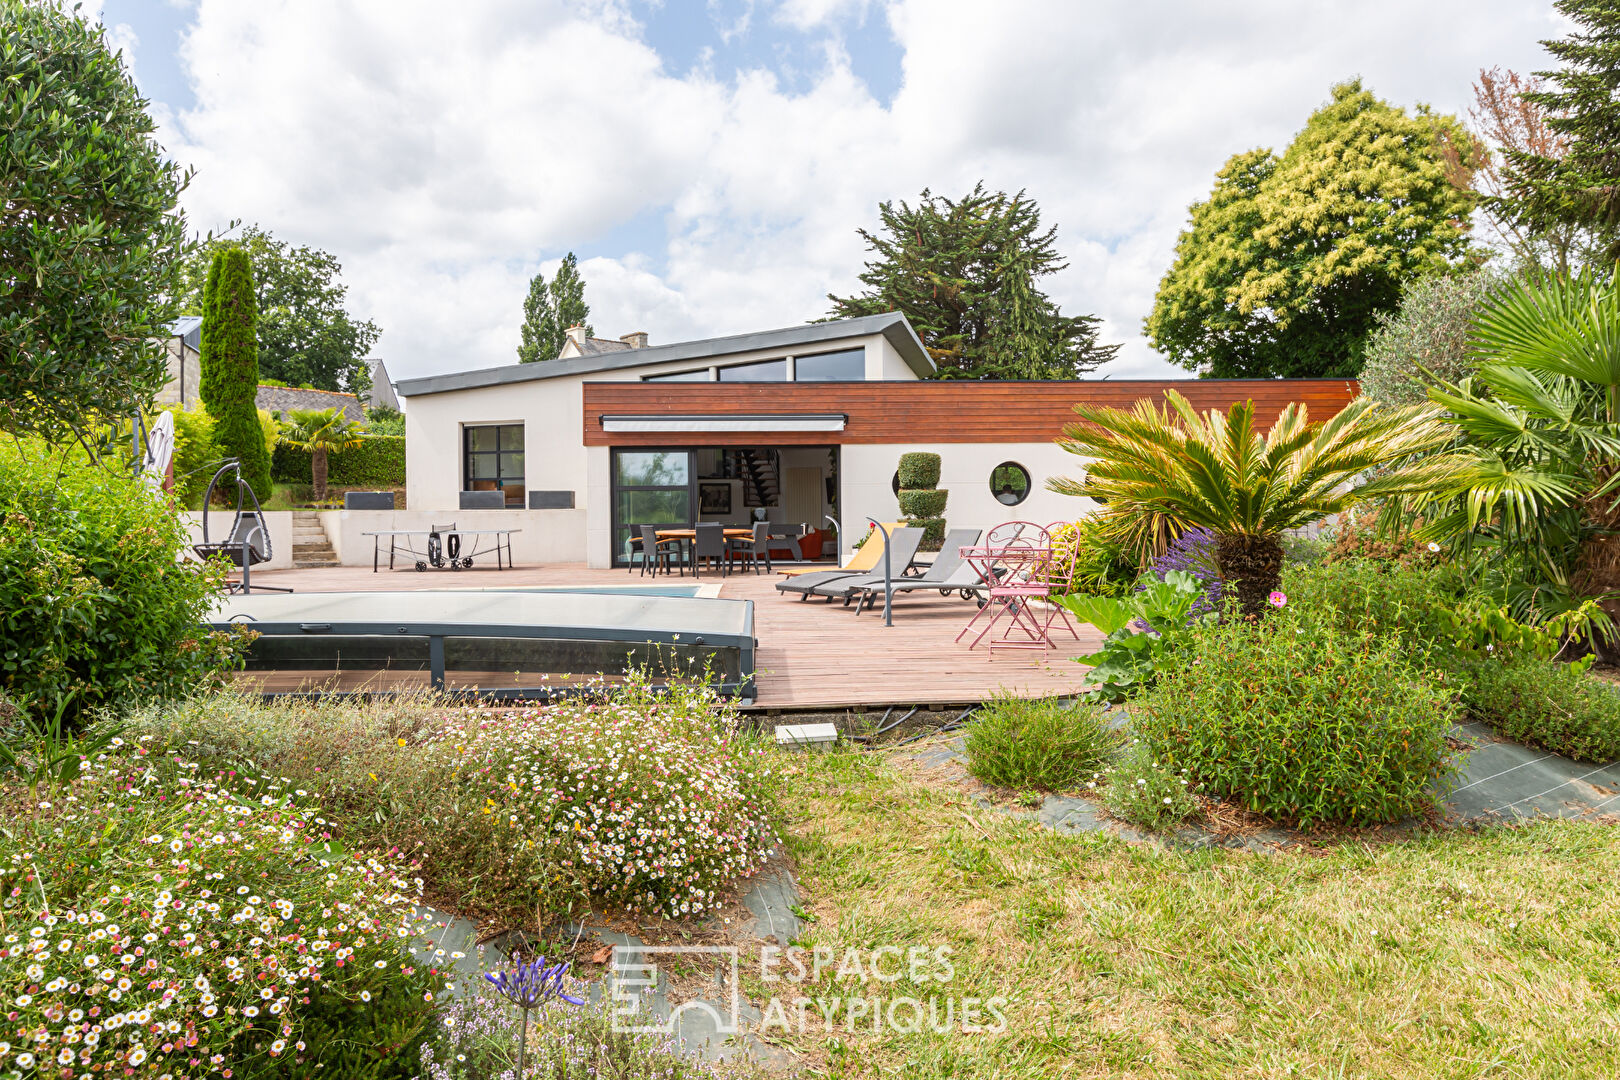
(637, 340)
(576, 334)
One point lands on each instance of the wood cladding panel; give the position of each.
(935, 412)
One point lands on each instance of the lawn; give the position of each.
(1456, 954)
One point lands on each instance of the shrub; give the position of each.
(1102, 567)
(378, 462)
(919, 469)
(926, 503)
(1433, 327)
(196, 455)
(648, 800)
(94, 601)
(1358, 539)
(566, 1042)
(1301, 721)
(1555, 706)
(1040, 743)
(1410, 606)
(1193, 552)
(1144, 792)
(1143, 633)
(180, 924)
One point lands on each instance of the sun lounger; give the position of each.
(862, 560)
(943, 574)
(904, 539)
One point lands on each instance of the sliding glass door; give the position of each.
(650, 487)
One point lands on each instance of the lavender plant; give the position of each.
(1192, 553)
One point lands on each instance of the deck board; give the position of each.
(811, 655)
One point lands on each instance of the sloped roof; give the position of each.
(286, 399)
(595, 346)
(891, 325)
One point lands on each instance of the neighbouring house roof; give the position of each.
(892, 325)
(188, 328)
(381, 393)
(596, 346)
(287, 399)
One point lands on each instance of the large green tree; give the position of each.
(1574, 180)
(89, 234)
(1285, 268)
(307, 337)
(966, 273)
(550, 309)
(229, 376)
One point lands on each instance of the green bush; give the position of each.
(1555, 706)
(190, 917)
(923, 503)
(1411, 606)
(1145, 792)
(1301, 721)
(1042, 744)
(1101, 565)
(196, 455)
(379, 462)
(919, 470)
(933, 532)
(1143, 632)
(95, 603)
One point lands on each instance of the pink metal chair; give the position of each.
(1011, 563)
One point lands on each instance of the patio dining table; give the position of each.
(1012, 574)
(691, 534)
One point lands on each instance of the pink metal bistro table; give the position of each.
(1018, 567)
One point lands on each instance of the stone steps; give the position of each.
(310, 545)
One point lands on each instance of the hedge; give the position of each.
(379, 462)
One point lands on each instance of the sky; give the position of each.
(709, 161)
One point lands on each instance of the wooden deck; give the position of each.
(811, 655)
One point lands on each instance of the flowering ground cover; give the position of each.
(1452, 954)
(652, 802)
(162, 919)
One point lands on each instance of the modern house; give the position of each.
(802, 425)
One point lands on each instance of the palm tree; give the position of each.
(1537, 455)
(322, 431)
(1159, 471)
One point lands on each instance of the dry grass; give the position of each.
(1450, 954)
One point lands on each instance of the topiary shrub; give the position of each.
(95, 602)
(1301, 721)
(919, 470)
(1555, 706)
(1038, 743)
(922, 503)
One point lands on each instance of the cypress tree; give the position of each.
(550, 310)
(229, 379)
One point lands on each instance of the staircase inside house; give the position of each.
(310, 545)
(761, 481)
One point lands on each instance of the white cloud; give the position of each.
(445, 159)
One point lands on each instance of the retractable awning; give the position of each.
(727, 422)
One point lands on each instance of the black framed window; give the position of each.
(758, 371)
(847, 365)
(493, 460)
(650, 487)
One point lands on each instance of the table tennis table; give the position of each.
(438, 551)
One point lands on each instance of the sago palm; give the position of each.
(1173, 468)
(322, 432)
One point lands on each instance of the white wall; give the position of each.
(883, 361)
(545, 536)
(867, 476)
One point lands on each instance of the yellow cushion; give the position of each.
(865, 557)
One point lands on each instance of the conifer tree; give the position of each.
(229, 376)
(1582, 104)
(550, 309)
(965, 273)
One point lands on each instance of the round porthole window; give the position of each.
(895, 483)
(1009, 483)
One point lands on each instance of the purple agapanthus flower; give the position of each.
(528, 986)
(1194, 552)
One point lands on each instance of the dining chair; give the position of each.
(655, 552)
(750, 551)
(710, 543)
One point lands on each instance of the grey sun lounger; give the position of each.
(949, 573)
(903, 545)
